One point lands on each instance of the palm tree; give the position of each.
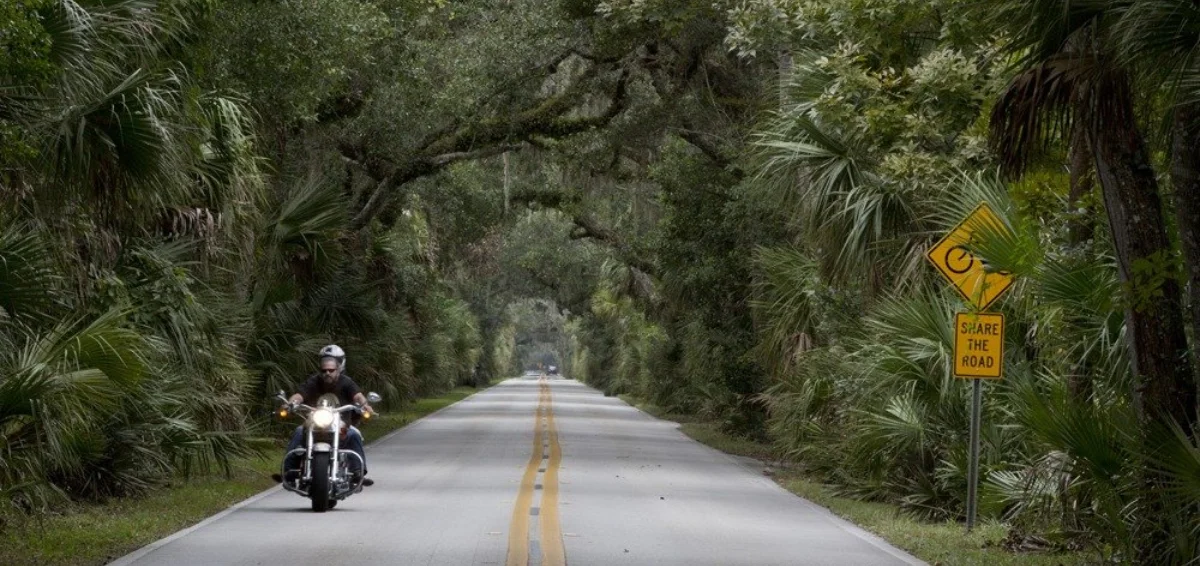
(851, 218)
(123, 151)
(1162, 38)
(1069, 75)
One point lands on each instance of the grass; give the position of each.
(936, 543)
(98, 533)
(944, 543)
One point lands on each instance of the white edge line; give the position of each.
(845, 524)
(143, 551)
(867, 536)
(153, 546)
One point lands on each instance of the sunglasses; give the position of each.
(329, 371)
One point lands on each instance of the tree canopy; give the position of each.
(720, 207)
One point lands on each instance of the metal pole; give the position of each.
(973, 466)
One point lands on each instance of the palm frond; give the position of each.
(913, 339)
(1097, 442)
(1039, 106)
(105, 344)
(72, 31)
(313, 210)
(1043, 28)
(785, 292)
(873, 225)
(1166, 32)
(116, 131)
(227, 165)
(802, 164)
(1011, 244)
(348, 307)
(1085, 297)
(27, 275)
(1176, 454)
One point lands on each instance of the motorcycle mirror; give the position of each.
(280, 393)
(373, 397)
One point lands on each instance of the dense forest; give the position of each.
(721, 207)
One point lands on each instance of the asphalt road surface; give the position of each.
(536, 472)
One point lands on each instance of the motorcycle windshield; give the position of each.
(327, 400)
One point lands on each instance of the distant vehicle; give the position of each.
(553, 370)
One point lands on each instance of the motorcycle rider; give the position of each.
(331, 378)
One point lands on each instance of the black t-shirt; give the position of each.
(314, 387)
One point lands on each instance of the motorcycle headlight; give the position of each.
(322, 418)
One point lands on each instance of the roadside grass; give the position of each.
(100, 533)
(939, 544)
(92, 534)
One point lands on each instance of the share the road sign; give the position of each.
(979, 345)
(966, 272)
(978, 336)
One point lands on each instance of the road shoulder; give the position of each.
(877, 523)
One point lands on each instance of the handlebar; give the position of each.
(341, 409)
(293, 407)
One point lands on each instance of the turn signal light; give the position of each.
(366, 415)
(283, 413)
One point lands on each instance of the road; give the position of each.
(537, 472)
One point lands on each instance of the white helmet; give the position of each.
(334, 351)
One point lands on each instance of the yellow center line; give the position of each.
(553, 553)
(518, 534)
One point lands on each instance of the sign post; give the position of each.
(978, 336)
(973, 464)
(978, 355)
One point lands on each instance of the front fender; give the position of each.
(322, 447)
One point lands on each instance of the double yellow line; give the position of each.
(544, 432)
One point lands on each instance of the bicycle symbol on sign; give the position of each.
(978, 281)
(959, 260)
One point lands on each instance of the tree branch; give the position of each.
(587, 227)
(372, 207)
(549, 199)
(709, 149)
(448, 158)
(547, 118)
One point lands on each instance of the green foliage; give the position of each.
(198, 195)
(155, 281)
(24, 63)
(292, 58)
(25, 43)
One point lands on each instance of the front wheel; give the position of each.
(318, 490)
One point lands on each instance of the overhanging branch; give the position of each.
(547, 118)
(448, 158)
(588, 227)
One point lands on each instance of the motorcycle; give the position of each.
(324, 476)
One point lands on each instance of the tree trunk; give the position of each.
(1082, 181)
(1165, 388)
(1080, 230)
(1185, 177)
(1162, 365)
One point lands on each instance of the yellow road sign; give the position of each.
(966, 272)
(978, 345)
